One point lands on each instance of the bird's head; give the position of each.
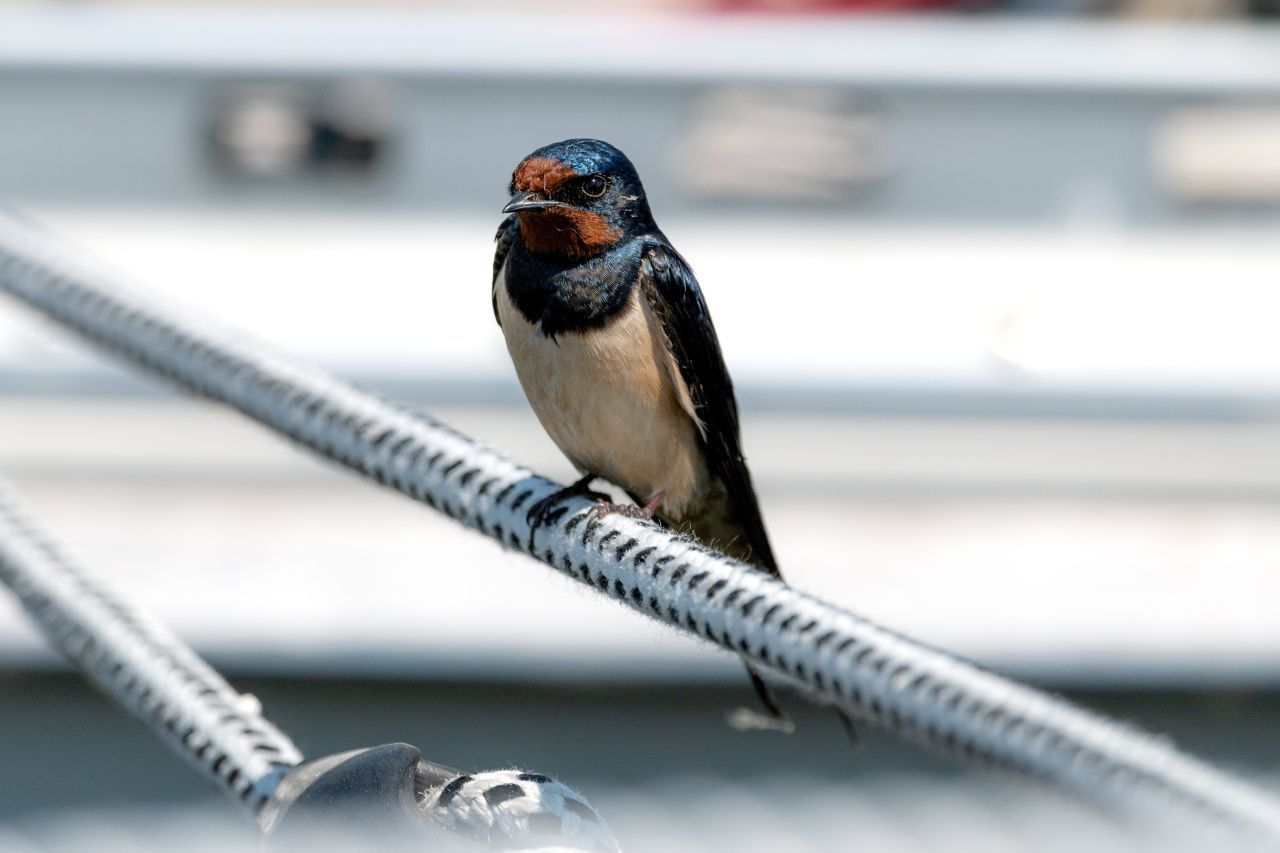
(576, 199)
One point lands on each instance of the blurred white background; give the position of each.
(996, 286)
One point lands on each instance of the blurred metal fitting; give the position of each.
(388, 795)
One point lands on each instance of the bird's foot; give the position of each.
(605, 508)
(643, 513)
(541, 511)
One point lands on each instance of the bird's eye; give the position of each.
(594, 186)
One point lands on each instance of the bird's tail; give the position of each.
(776, 718)
(745, 719)
(721, 525)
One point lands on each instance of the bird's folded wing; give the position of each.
(675, 298)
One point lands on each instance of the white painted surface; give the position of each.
(911, 50)
(820, 307)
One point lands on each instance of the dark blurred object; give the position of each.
(359, 793)
(281, 130)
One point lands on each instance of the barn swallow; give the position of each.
(617, 354)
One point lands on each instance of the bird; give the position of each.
(616, 352)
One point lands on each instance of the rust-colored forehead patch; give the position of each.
(542, 174)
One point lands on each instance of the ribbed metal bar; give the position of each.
(149, 671)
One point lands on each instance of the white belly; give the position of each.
(612, 400)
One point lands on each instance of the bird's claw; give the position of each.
(641, 513)
(606, 508)
(541, 511)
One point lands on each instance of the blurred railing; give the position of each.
(143, 666)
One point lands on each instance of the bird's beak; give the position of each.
(528, 201)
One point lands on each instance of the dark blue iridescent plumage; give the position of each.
(572, 296)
